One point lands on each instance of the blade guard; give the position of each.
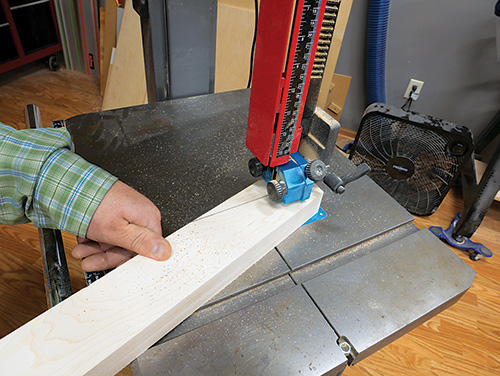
(277, 100)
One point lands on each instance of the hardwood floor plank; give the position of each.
(59, 95)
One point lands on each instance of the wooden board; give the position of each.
(126, 83)
(108, 41)
(103, 327)
(338, 94)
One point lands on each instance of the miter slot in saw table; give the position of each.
(330, 295)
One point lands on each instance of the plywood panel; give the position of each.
(235, 29)
(108, 41)
(126, 84)
(338, 94)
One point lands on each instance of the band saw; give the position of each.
(338, 289)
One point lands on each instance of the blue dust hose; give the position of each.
(376, 40)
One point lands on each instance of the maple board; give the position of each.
(103, 327)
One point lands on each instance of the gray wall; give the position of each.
(448, 44)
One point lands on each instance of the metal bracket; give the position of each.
(320, 140)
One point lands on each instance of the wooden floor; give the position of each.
(463, 340)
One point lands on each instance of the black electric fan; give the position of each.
(413, 157)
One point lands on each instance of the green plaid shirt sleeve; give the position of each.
(43, 181)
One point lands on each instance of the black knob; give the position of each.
(457, 148)
(316, 170)
(276, 190)
(255, 167)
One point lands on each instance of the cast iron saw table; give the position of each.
(330, 295)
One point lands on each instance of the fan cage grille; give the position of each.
(382, 138)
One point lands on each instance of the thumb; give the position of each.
(147, 243)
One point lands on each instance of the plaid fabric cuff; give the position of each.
(68, 192)
(22, 154)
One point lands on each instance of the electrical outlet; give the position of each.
(413, 83)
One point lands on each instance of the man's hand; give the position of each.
(125, 224)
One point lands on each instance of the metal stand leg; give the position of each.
(477, 198)
(491, 131)
(485, 194)
(55, 268)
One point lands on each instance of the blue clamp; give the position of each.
(298, 185)
(476, 250)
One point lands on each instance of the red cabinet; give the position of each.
(28, 32)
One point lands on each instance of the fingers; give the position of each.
(107, 260)
(100, 257)
(88, 248)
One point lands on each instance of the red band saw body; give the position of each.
(287, 37)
